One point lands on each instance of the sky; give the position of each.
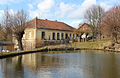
(67, 11)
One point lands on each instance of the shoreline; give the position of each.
(46, 49)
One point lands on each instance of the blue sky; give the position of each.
(68, 11)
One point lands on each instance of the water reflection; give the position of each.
(62, 65)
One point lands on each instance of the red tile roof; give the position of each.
(47, 24)
(85, 25)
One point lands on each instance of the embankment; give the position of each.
(96, 45)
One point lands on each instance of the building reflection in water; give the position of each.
(37, 65)
(62, 65)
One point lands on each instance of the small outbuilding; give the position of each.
(85, 32)
(6, 46)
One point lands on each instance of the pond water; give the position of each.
(77, 64)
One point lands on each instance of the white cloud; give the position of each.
(105, 6)
(1, 13)
(33, 14)
(49, 9)
(37, 13)
(9, 1)
(72, 10)
(43, 9)
(46, 5)
(108, 4)
(30, 6)
(76, 23)
(11, 11)
(65, 9)
(80, 10)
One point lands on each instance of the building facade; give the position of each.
(85, 32)
(41, 32)
(6, 46)
(85, 28)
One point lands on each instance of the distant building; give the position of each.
(41, 32)
(85, 28)
(85, 32)
(6, 46)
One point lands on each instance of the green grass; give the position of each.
(37, 49)
(96, 44)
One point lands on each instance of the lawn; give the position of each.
(96, 44)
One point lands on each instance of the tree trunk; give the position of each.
(100, 35)
(115, 38)
(93, 36)
(20, 44)
(20, 60)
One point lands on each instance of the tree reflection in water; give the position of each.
(85, 64)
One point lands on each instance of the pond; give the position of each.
(76, 64)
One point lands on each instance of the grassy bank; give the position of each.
(96, 44)
(43, 49)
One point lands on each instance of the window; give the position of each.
(43, 35)
(53, 36)
(83, 28)
(49, 37)
(58, 36)
(70, 35)
(4, 47)
(66, 36)
(73, 36)
(62, 36)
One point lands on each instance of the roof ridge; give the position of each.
(32, 21)
(85, 24)
(44, 23)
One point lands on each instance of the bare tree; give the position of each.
(18, 26)
(110, 24)
(2, 33)
(15, 23)
(93, 16)
(6, 30)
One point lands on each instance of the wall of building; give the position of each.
(49, 35)
(33, 37)
(9, 47)
(85, 28)
(29, 38)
